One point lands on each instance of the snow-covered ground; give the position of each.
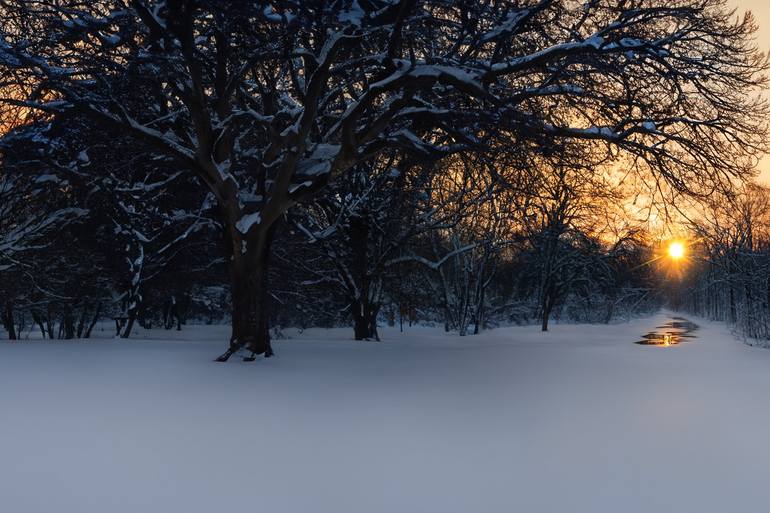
(579, 419)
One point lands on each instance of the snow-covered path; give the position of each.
(576, 420)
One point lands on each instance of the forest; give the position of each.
(462, 164)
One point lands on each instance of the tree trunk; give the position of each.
(94, 320)
(365, 320)
(37, 319)
(546, 310)
(480, 302)
(129, 324)
(49, 321)
(81, 322)
(67, 328)
(250, 296)
(366, 307)
(167, 315)
(548, 287)
(171, 315)
(610, 307)
(8, 321)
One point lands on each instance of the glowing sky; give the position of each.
(761, 10)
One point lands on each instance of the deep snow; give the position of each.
(579, 419)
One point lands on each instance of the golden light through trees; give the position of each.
(676, 250)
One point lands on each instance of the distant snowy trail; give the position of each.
(580, 419)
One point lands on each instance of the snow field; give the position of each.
(576, 420)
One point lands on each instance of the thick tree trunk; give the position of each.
(250, 296)
(365, 320)
(67, 327)
(8, 321)
(365, 308)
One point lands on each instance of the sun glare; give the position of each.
(676, 250)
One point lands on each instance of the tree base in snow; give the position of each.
(268, 352)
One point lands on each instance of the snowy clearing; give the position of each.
(580, 419)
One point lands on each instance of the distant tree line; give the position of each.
(728, 276)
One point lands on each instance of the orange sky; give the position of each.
(761, 9)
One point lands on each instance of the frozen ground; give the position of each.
(576, 420)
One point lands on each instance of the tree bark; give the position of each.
(129, 324)
(365, 307)
(37, 319)
(250, 297)
(67, 324)
(81, 322)
(8, 321)
(365, 320)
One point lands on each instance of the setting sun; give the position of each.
(676, 250)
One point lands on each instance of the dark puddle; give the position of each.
(670, 334)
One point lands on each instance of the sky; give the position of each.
(761, 10)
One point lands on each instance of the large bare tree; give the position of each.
(265, 101)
